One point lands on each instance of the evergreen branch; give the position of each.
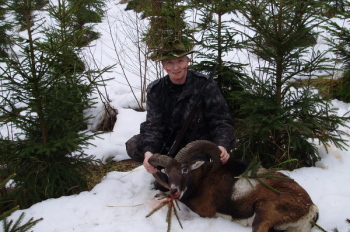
(8, 213)
(252, 172)
(177, 204)
(168, 217)
(172, 204)
(269, 186)
(177, 216)
(8, 227)
(284, 162)
(161, 205)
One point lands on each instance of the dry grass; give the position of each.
(99, 171)
(325, 85)
(124, 165)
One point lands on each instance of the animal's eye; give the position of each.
(184, 170)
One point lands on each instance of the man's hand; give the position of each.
(224, 156)
(149, 168)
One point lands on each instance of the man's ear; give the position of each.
(196, 164)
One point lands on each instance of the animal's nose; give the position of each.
(173, 191)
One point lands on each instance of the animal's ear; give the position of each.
(196, 164)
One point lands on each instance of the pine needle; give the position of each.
(175, 212)
(252, 172)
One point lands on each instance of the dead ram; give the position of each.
(211, 189)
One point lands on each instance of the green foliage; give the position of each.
(274, 133)
(23, 12)
(4, 212)
(217, 37)
(217, 40)
(46, 170)
(255, 171)
(86, 11)
(339, 41)
(343, 91)
(277, 121)
(5, 27)
(8, 226)
(167, 22)
(333, 7)
(82, 13)
(45, 90)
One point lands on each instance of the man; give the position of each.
(169, 102)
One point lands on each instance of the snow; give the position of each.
(122, 200)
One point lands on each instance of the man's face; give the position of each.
(176, 69)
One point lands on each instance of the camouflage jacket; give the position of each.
(168, 107)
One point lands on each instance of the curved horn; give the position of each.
(160, 160)
(200, 146)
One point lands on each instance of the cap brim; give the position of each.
(172, 56)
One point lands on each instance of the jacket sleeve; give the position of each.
(153, 129)
(218, 117)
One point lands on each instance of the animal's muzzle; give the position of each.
(174, 193)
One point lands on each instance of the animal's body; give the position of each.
(218, 192)
(249, 202)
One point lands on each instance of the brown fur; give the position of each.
(221, 193)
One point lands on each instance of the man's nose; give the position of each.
(176, 66)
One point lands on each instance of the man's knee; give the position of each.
(133, 148)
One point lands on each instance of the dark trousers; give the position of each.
(133, 148)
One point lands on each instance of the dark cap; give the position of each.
(170, 50)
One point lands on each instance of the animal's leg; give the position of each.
(266, 217)
(203, 206)
(260, 224)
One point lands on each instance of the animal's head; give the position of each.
(180, 170)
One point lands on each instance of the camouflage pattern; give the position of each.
(170, 50)
(168, 107)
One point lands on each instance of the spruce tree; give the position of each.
(45, 90)
(216, 43)
(334, 6)
(281, 115)
(83, 13)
